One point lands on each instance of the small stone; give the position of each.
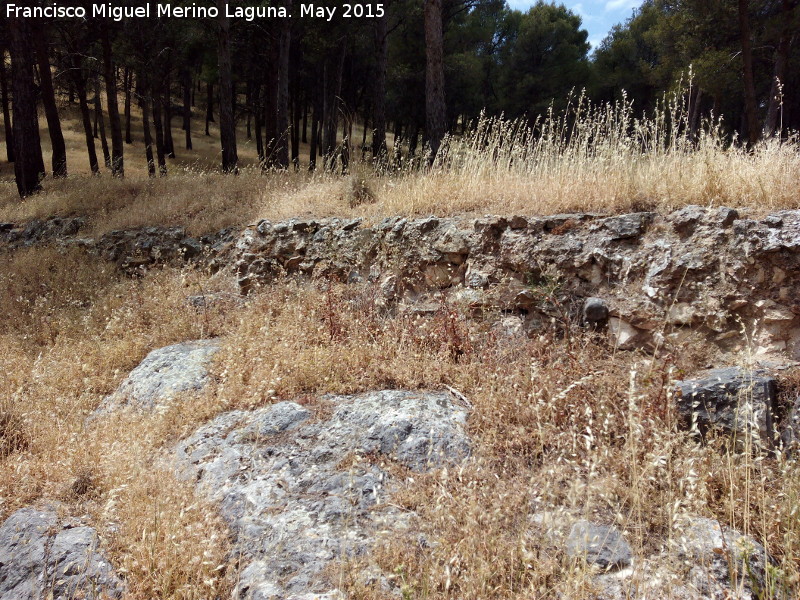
(190, 247)
(722, 558)
(624, 336)
(627, 226)
(726, 216)
(388, 287)
(595, 311)
(599, 545)
(681, 313)
(685, 220)
(476, 279)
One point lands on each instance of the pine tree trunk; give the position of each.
(413, 141)
(148, 138)
(117, 159)
(317, 111)
(159, 127)
(771, 124)
(751, 110)
(59, 149)
(379, 95)
(295, 130)
(80, 87)
(128, 80)
(169, 144)
(28, 163)
(282, 108)
(258, 120)
(435, 111)
(100, 124)
(305, 120)
(9, 130)
(331, 110)
(187, 107)
(248, 101)
(209, 105)
(227, 125)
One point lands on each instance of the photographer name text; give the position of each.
(167, 11)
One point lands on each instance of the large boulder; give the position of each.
(735, 400)
(163, 374)
(42, 557)
(302, 489)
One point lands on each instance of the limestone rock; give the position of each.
(628, 226)
(599, 545)
(735, 400)
(302, 490)
(164, 373)
(722, 562)
(42, 558)
(623, 335)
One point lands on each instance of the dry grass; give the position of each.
(558, 424)
(591, 158)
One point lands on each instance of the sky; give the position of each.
(598, 16)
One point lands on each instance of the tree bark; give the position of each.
(258, 116)
(304, 127)
(28, 163)
(751, 110)
(187, 107)
(435, 110)
(79, 81)
(99, 123)
(271, 106)
(9, 130)
(771, 124)
(169, 144)
(117, 150)
(317, 111)
(379, 95)
(159, 126)
(227, 125)
(295, 129)
(148, 138)
(331, 110)
(413, 140)
(59, 149)
(282, 107)
(209, 105)
(128, 79)
(248, 101)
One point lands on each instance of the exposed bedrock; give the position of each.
(304, 490)
(45, 556)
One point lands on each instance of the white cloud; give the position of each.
(612, 5)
